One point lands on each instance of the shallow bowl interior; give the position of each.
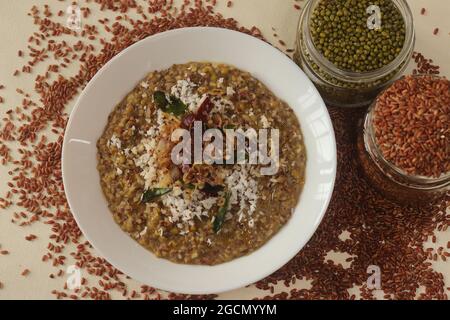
(121, 75)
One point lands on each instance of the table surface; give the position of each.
(15, 28)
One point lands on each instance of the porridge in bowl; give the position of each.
(200, 212)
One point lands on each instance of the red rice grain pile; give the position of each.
(412, 125)
(381, 232)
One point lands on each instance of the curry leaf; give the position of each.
(172, 105)
(160, 99)
(212, 190)
(190, 186)
(153, 194)
(176, 107)
(220, 217)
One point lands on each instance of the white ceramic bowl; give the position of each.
(121, 75)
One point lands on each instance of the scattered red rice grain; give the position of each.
(424, 65)
(423, 11)
(436, 31)
(31, 237)
(229, 4)
(25, 272)
(4, 252)
(297, 7)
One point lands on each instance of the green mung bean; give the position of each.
(340, 32)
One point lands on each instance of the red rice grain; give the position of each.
(31, 237)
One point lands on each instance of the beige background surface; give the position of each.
(16, 26)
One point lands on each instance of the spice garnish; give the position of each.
(190, 186)
(176, 107)
(160, 99)
(220, 217)
(153, 194)
(203, 111)
(187, 121)
(212, 190)
(172, 105)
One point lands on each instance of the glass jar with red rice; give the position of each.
(409, 183)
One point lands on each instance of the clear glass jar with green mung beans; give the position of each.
(353, 49)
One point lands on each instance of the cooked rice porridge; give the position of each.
(198, 213)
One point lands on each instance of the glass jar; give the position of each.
(390, 180)
(343, 88)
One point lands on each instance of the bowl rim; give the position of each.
(296, 247)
